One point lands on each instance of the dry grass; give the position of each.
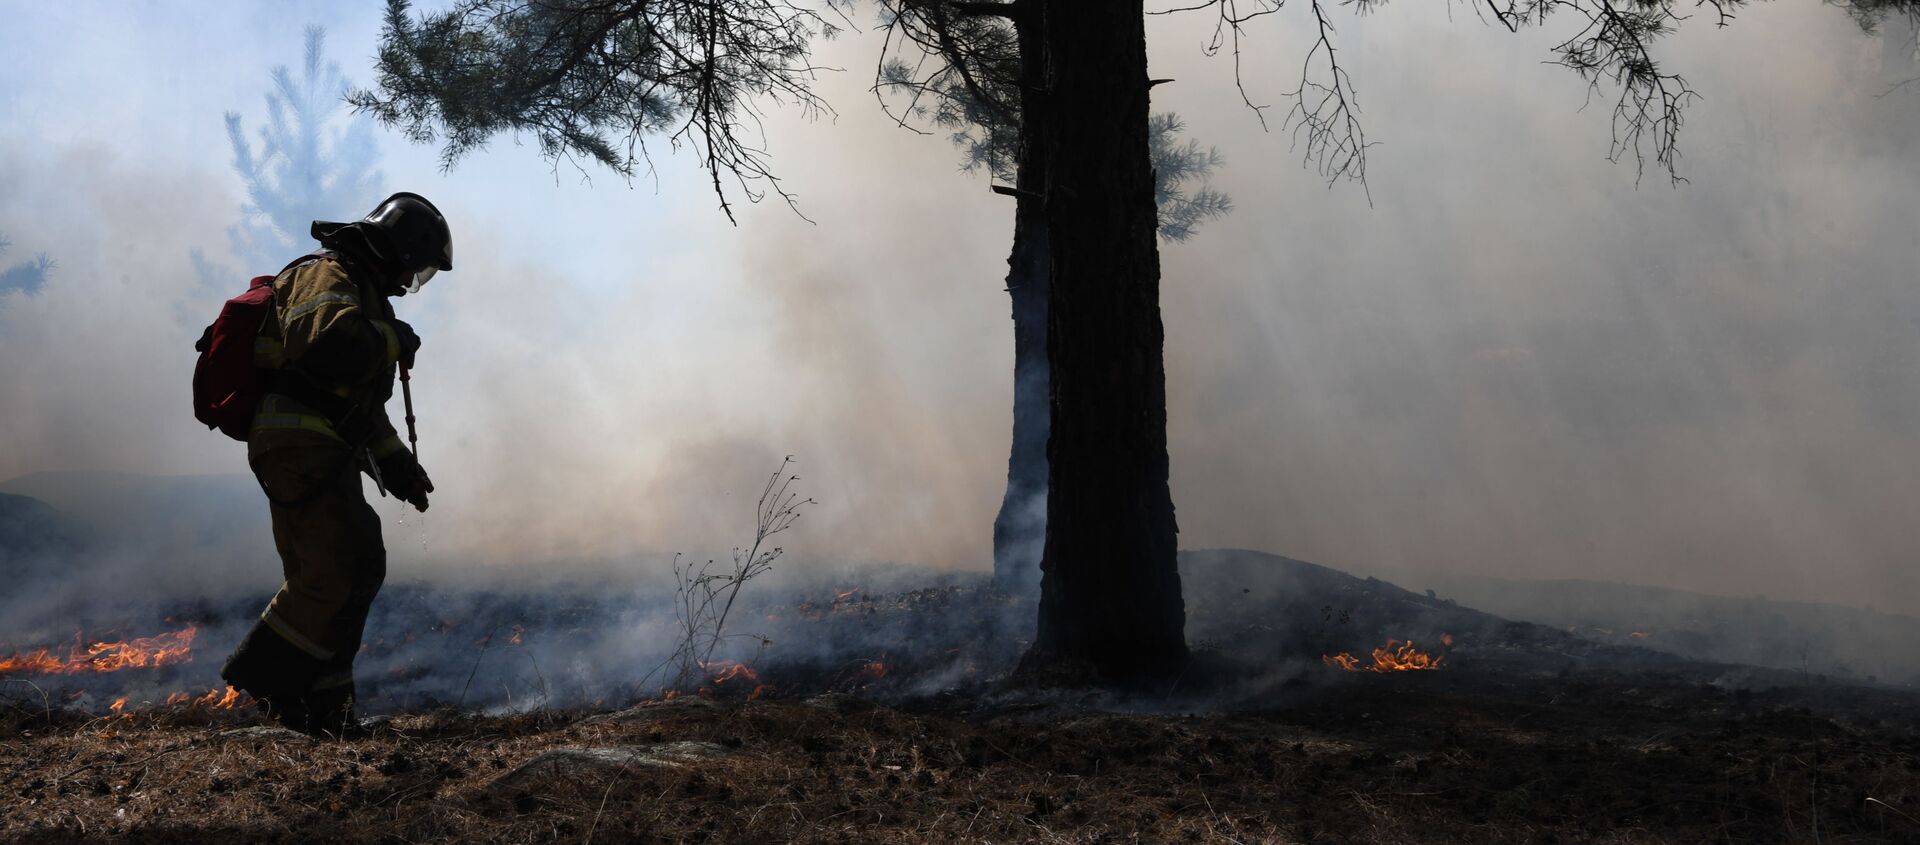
(1379, 760)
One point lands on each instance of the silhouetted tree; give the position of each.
(586, 76)
(593, 79)
(28, 276)
(974, 96)
(315, 160)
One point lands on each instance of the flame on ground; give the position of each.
(1395, 656)
(722, 671)
(217, 700)
(158, 650)
(214, 699)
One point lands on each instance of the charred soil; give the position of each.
(1416, 757)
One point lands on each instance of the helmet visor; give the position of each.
(420, 278)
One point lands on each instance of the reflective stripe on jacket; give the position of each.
(331, 331)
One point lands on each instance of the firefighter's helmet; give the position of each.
(418, 233)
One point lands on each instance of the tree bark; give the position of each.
(1110, 587)
(1019, 532)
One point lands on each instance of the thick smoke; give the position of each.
(1515, 361)
(1518, 362)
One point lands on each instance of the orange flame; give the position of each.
(217, 700)
(158, 650)
(722, 671)
(1342, 660)
(1395, 656)
(517, 631)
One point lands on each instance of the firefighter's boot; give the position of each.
(331, 712)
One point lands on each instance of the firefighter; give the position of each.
(331, 350)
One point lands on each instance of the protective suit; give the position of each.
(332, 348)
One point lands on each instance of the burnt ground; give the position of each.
(885, 717)
(1420, 757)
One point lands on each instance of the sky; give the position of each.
(1505, 356)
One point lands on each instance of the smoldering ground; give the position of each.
(1516, 361)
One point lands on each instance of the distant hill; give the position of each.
(74, 540)
(1848, 642)
(34, 541)
(1246, 604)
(205, 513)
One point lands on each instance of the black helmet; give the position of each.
(417, 231)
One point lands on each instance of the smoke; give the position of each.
(1519, 363)
(1515, 361)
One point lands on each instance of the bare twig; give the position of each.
(1611, 45)
(704, 596)
(602, 809)
(102, 764)
(484, 642)
(1890, 808)
(46, 704)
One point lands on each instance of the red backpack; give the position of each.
(227, 385)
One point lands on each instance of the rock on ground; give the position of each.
(264, 732)
(572, 764)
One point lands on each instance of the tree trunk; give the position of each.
(1019, 532)
(1110, 588)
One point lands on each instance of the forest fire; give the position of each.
(1395, 656)
(144, 652)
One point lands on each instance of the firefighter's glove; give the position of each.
(405, 479)
(409, 342)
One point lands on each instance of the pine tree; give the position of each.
(315, 161)
(28, 276)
